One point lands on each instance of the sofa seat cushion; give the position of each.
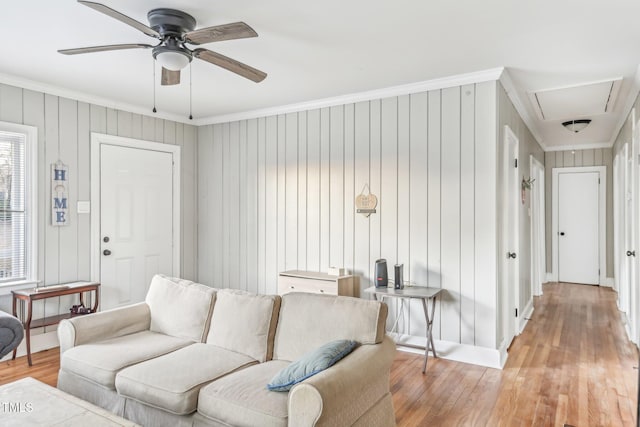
(100, 361)
(172, 382)
(242, 398)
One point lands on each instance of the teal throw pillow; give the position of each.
(310, 364)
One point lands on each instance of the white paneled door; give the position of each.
(510, 264)
(578, 227)
(619, 229)
(632, 253)
(630, 224)
(136, 221)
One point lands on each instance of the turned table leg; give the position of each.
(27, 331)
(15, 314)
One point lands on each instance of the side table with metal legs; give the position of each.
(427, 296)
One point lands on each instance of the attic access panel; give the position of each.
(576, 101)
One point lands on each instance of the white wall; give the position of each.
(277, 193)
(64, 128)
(507, 115)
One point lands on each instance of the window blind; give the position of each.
(13, 238)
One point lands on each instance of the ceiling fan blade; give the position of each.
(232, 65)
(120, 17)
(237, 30)
(170, 77)
(104, 48)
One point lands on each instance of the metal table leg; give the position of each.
(429, 319)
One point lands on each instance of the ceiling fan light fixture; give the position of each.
(174, 59)
(576, 126)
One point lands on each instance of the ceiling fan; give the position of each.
(175, 29)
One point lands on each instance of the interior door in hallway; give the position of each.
(509, 295)
(578, 227)
(630, 302)
(136, 221)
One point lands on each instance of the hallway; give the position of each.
(573, 364)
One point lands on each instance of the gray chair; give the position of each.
(11, 333)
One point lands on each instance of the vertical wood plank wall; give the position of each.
(508, 115)
(577, 158)
(64, 132)
(278, 192)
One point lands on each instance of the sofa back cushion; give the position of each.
(245, 323)
(308, 321)
(180, 308)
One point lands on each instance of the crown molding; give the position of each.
(423, 86)
(23, 83)
(587, 146)
(512, 93)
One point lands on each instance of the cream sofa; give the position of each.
(191, 355)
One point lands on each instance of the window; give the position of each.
(18, 192)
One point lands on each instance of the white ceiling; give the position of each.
(323, 49)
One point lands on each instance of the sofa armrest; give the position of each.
(103, 325)
(11, 333)
(341, 394)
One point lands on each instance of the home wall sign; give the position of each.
(59, 194)
(366, 202)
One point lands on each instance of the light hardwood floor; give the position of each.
(572, 365)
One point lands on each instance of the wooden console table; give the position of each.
(28, 296)
(424, 294)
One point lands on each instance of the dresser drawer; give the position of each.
(288, 284)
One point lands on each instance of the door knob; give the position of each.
(631, 253)
(106, 239)
(511, 255)
(106, 252)
(562, 233)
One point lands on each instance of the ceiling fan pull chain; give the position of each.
(153, 62)
(190, 92)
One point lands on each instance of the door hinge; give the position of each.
(598, 180)
(516, 312)
(516, 162)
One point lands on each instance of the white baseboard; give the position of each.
(502, 351)
(39, 342)
(526, 315)
(452, 351)
(607, 282)
(625, 321)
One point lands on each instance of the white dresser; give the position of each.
(318, 283)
